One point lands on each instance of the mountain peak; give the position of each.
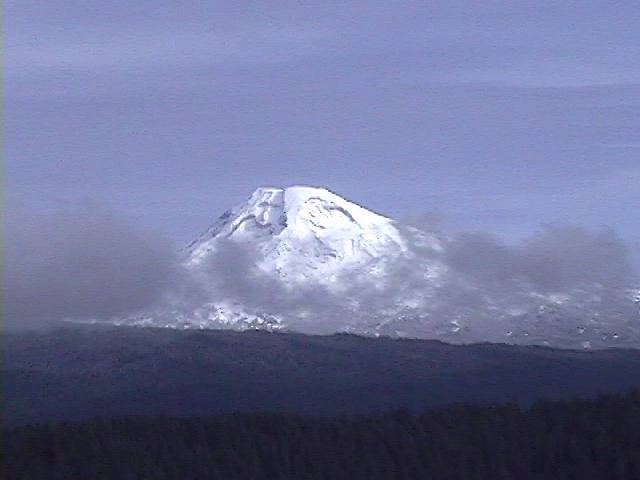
(295, 199)
(303, 232)
(300, 189)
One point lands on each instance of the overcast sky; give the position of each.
(498, 115)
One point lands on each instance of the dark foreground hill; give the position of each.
(586, 440)
(86, 371)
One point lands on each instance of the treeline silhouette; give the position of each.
(578, 439)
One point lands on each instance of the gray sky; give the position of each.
(498, 115)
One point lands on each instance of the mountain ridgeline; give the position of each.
(85, 371)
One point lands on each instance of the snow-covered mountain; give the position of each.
(306, 259)
(306, 234)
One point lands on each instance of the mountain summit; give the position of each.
(303, 233)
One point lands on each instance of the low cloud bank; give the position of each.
(87, 263)
(83, 263)
(556, 258)
(475, 287)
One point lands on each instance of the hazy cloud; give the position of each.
(232, 274)
(87, 264)
(83, 263)
(480, 281)
(557, 258)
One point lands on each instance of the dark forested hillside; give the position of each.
(86, 371)
(596, 439)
